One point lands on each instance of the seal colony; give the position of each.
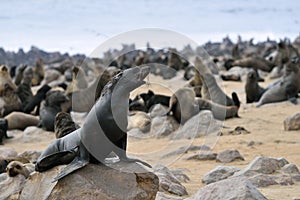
(103, 132)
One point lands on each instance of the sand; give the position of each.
(264, 123)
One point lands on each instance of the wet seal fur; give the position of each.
(103, 132)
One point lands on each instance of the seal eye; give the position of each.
(18, 166)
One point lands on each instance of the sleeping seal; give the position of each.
(103, 132)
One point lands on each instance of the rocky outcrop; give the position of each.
(124, 181)
(232, 188)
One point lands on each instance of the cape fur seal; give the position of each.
(15, 167)
(252, 89)
(103, 132)
(211, 91)
(184, 105)
(64, 124)
(287, 88)
(50, 107)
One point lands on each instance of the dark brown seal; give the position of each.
(103, 132)
(252, 89)
(64, 124)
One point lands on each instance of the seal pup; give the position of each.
(18, 120)
(103, 132)
(3, 131)
(4, 162)
(15, 167)
(252, 89)
(287, 88)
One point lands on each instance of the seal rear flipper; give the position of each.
(73, 166)
(55, 159)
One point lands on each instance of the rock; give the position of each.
(139, 120)
(11, 187)
(262, 180)
(261, 165)
(34, 134)
(136, 133)
(228, 156)
(282, 162)
(130, 181)
(3, 177)
(157, 110)
(232, 188)
(7, 152)
(290, 169)
(163, 126)
(292, 122)
(286, 180)
(185, 149)
(163, 196)
(168, 182)
(219, 173)
(201, 124)
(178, 173)
(32, 156)
(202, 156)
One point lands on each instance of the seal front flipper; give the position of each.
(76, 164)
(52, 160)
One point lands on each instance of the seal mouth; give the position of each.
(144, 71)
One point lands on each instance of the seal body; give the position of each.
(104, 130)
(286, 88)
(252, 89)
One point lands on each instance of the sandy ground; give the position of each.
(264, 123)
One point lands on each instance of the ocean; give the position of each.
(80, 26)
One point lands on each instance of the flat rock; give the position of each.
(168, 182)
(7, 152)
(125, 181)
(292, 123)
(219, 173)
(231, 188)
(228, 156)
(199, 125)
(202, 156)
(163, 126)
(11, 187)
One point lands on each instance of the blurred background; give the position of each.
(80, 26)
